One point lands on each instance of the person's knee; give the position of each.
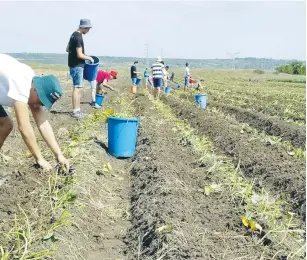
(6, 125)
(77, 89)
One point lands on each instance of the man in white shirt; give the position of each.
(165, 75)
(157, 76)
(21, 89)
(186, 76)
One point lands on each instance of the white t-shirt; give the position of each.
(15, 81)
(165, 73)
(187, 72)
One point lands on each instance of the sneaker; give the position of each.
(94, 105)
(78, 115)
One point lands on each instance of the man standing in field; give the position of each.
(186, 76)
(21, 89)
(76, 61)
(134, 73)
(157, 76)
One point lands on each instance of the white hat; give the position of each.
(159, 59)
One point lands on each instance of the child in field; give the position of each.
(165, 75)
(147, 78)
(199, 85)
(102, 78)
(191, 81)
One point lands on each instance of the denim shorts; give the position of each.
(77, 76)
(133, 81)
(2, 112)
(186, 81)
(157, 83)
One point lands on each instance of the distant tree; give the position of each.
(295, 68)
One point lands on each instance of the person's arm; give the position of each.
(83, 56)
(106, 85)
(80, 54)
(27, 133)
(67, 48)
(135, 72)
(47, 133)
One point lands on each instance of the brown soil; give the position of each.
(271, 166)
(270, 125)
(152, 206)
(167, 191)
(98, 225)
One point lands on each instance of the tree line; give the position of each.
(295, 68)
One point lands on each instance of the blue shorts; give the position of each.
(77, 76)
(133, 81)
(186, 81)
(157, 83)
(2, 112)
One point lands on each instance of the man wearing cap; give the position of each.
(20, 89)
(102, 78)
(76, 61)
(157, 76)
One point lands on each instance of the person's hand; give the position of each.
(63, 161)
(91, 59)
(44, 164)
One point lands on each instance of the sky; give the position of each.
(175, 29)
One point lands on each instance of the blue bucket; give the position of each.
(138, 81)
(91, 69)
(99, 99)
(201, 100)
(122, 134)
(167, 90)
(177, 86)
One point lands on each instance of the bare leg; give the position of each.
(6, 126)
(76, 98)
(94, 94)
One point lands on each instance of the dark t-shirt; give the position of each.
(133, 69)
(75, 41)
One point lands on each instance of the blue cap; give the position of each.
(48, 89)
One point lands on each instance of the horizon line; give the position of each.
(247, 57)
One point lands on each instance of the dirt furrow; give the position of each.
(171, 216)
(271, 166)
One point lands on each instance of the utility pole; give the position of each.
(146, 54)
(233, 56)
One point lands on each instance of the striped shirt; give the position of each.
(157, 70)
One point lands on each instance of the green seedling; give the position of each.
(164, 229)
(212, 189)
